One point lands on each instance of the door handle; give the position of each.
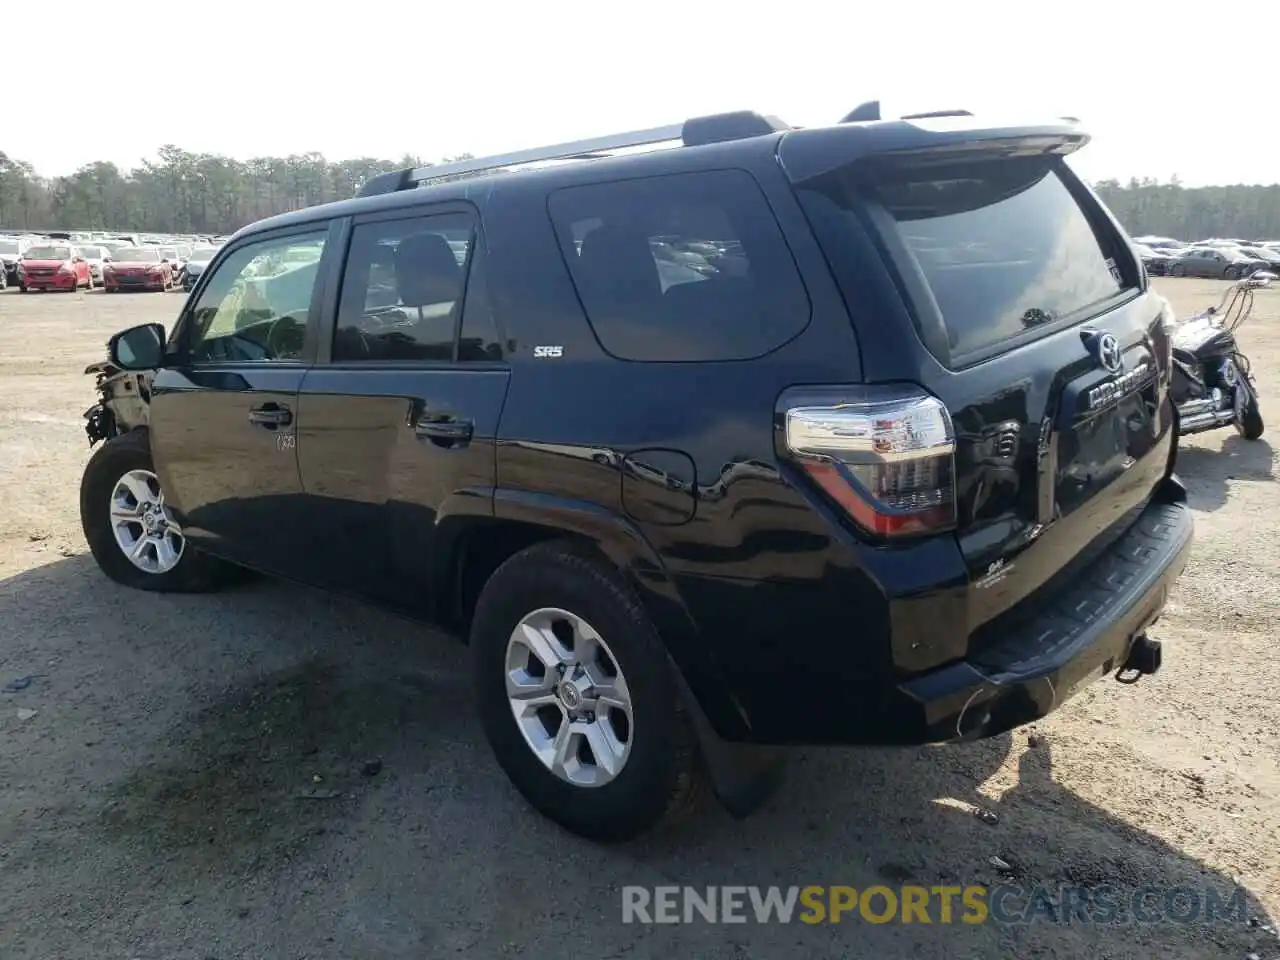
(444, 431)
(270, 416)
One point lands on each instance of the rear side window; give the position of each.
(682, 267)
(1004, 246)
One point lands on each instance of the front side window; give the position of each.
(255, 306)
(407, 297)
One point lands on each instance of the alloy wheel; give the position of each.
(144, 527)
(569, 697)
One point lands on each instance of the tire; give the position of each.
(118, 457)
(660, 773)
(1177, 270)
(1249, 424)
(1231, 273)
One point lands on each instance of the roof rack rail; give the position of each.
(697, 131)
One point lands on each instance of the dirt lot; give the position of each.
(190, 783)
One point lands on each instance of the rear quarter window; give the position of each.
(682, 267)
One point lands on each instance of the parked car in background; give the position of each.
(1160, 243)
(53, 267)
(97, 257)
(1267, 257)
(11, 251)
(194, 267)
(1227, 263)
(137, 268)
(176, 254)
(1156, 261)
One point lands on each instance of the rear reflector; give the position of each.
(886, 455)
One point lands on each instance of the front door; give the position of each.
(224, 417)
(396, 430)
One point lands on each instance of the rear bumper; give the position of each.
(1085, 633)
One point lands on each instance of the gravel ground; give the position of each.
(195, 779)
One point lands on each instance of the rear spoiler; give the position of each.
(810, 153)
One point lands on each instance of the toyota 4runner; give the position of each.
(711, 439)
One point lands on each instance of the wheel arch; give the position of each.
(471, 546)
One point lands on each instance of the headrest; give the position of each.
(616, 263)
(427, 271)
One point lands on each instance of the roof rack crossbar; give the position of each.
(407, 179)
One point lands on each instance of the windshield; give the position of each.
(202, 256)
(8, 246)
(49, 253)
(138, 254)
(91, 252)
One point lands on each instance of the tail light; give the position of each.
(885, 454)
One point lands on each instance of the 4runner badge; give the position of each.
(997, 570)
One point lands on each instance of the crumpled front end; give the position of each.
(124, 401)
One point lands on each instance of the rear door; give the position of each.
(223, 420)
(397, 420)
(1030, 321)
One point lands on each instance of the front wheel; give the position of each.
(1177, 270)
(1231, 273)
(1249, 420)
(577, 697)
(131, 532)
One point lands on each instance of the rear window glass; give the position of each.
(681, 267)
(1004, 247)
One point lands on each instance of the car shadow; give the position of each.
(1206, 470)
(276, 749)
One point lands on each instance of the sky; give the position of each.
(390, 77)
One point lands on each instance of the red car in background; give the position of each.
(137, 268)
(53, 266)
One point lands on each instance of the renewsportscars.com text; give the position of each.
(972, 904)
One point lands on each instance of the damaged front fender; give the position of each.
(124, 401)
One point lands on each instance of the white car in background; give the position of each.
(95, 256)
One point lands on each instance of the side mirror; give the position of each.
(138, 348)
(79, 259)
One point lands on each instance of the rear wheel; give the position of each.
(577, 697)
(131, 532)
(1177, 270)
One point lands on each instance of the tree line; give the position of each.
(180, 191)
(184, 192)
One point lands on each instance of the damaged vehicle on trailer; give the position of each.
(928, 494)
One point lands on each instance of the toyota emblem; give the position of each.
(1109, 353)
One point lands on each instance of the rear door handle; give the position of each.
(444, 431)
(270, 416)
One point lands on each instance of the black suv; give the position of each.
(712, 439)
